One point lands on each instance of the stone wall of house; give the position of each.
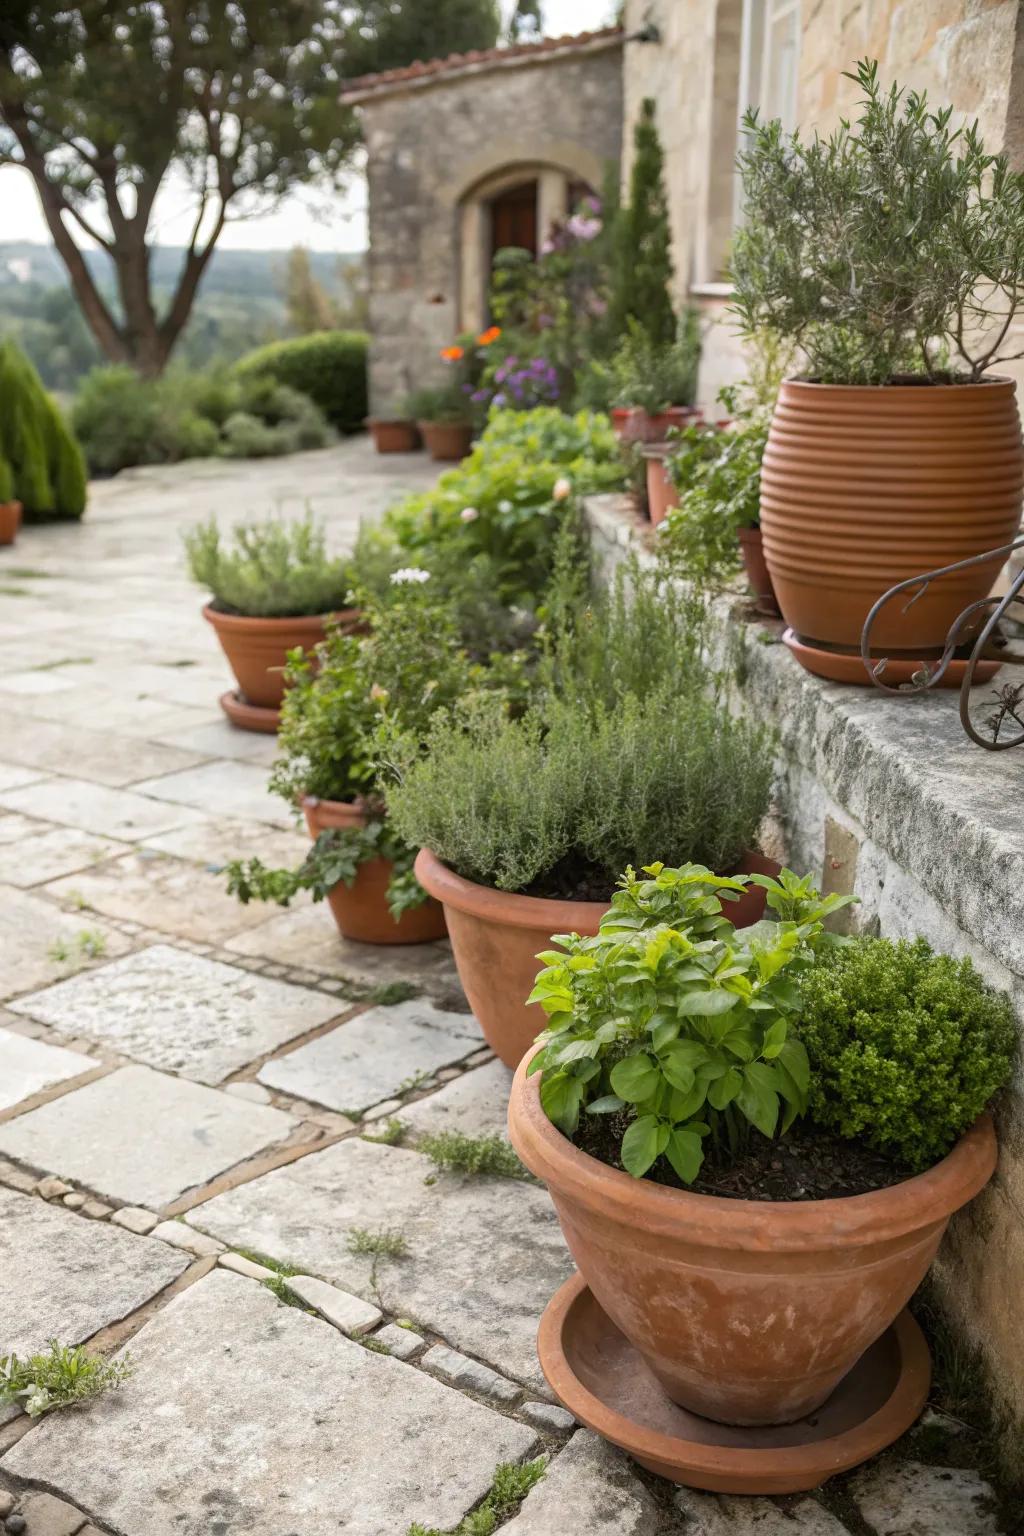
(887, 799)
(426, 150)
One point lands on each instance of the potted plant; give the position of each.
(754, 1140)
(890, 253)
(272, 589)
(10, 510)
(523, 823)
(655, 383)
(394, 434)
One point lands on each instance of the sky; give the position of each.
(322, 221)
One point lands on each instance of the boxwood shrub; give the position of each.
(328, 366)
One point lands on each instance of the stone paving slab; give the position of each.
(484, 1254)
(117, 813)
(709, 1514)
(65, 1277)
(218, 738)
(179, 1011)
(172, 896)
(39, 943)
(306, 936)
(222, 788)
(476, 1104)
(142, 1138)
(28, 1066)
(215, 842)
(32, 852)
(911, 1499)
(374, 1056)
(93, 754)
(589, 1489)
(248, 1418)
(12, 777)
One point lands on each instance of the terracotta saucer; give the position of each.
(249, 717)
(847, 666)
(603, 1380)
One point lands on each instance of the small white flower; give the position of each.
(468, 515)
(378, 694)
(409, 575)
(562, 489)
(504, 506)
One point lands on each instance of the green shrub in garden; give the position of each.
(116, 416)
(45, 460)
(328, 366)
(718, 476)
(654, 375)
(6, 482)
(906, 1046)
(641, 275)
(272, 569)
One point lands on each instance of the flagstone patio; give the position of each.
(187, 1089)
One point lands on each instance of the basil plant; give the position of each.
(672, 1016)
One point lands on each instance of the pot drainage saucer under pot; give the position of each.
(249, 717)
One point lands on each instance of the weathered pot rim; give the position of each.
(462, 424)
(926, 390)
(845, 1221)
(389, 421)
(313, 622)
(506, 907)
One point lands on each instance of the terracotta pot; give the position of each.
(747, 1312)
(10, 521)
(622, 420)
(257, 649)
(752, 555)
(662, 495)
(447, 440)
(394, 436)
(496, 936)
(361, 909)
(863, 487)
(635, 425)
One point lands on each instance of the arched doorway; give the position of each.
(513, 216)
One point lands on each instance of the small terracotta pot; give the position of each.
(752, 555)
(496, 936)
(635, 425)
(662, 495)
(257, 649)
(747, 1312)
(10, 521)
(361, 909)
(863, 487)
(622, 422)
(394, 436)
(447, 440)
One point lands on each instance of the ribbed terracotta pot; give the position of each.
(747, 1312)
(257, 649)
(662, 495)
(496, 936)
(447, 440)
(394, 436)
(361, 909)
(863, 487)
(10, 521)
(756, 570)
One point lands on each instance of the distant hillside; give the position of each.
(255, 273)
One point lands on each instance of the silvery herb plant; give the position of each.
(675, 1017)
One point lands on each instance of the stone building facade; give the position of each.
(458, 152)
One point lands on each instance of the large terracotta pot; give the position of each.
(756, 571)
(361, 909)
(257, 649)
(10, 521)
(662, 495)
(747, 1312)
(447, 440)
(865, 486)
(496, 936)
(394, 436)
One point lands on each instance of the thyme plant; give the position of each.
(893, 248)
(272, 569)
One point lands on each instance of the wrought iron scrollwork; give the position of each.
(1008, 699)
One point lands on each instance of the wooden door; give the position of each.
(514, 218)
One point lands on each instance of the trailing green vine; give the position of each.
(335, 858)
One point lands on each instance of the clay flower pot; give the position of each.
(752, 555)
(633, 424)
(747, 1312)
(662, 495)
(447, 440)
(394, 436)
(865, 486)
(10, 521)
(257, 649)
(496, 936)
(361, 909)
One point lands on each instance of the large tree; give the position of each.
(105, 100)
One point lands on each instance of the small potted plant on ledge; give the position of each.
(272, 589)
(394, 434)
(655, 383)
(523, 823)
(754, 1141)
(891, 255)
(10, 510)
(447, 414)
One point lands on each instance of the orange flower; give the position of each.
(486, 337)
(451, 354)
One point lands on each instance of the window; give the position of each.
(771, 52)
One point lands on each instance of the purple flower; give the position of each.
(582, 228)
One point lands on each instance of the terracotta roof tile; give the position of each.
(429, 69)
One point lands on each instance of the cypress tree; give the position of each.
(44, 458)
(66, 464)
(642, 268)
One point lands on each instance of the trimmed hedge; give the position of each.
(45, 459)
(328, 366)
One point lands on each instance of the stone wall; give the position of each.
(428, 148)
(887, 799)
